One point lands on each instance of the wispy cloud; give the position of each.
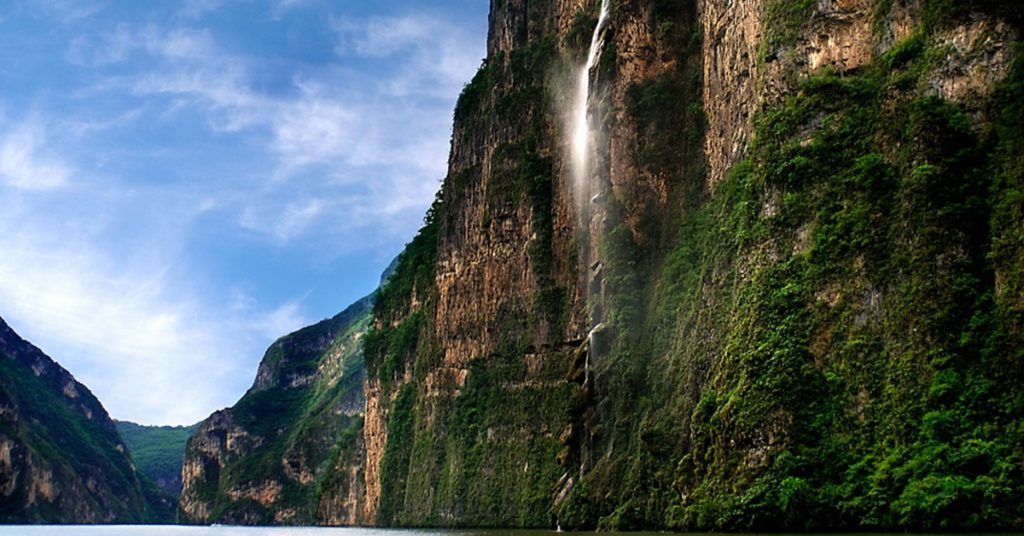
(395, 148)
(198, 8)
(386, 36)
(173, 168)
(143, 338)
(315, 128)
(281, 321)
(437, 54)
(284, 223)
(27, 162)
(63, 11)
(282, 6)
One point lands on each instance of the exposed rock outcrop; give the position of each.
(289, 443)
(787, 295)
(709, 218)
(61, 459)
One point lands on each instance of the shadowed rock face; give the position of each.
(61, 460)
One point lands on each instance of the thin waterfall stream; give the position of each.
(584, 179)
(581, 146)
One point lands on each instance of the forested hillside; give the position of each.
(61, 459)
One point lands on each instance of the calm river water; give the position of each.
(170, 530)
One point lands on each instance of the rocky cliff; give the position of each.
(797, 255)
(290, 451)
(785, 293)
(61, 460)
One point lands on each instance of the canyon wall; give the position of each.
(787, 294)
(801, 240)
(289, 452)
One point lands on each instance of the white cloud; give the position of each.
(64, 11)
(320, 123)
(26, 160)
(170, 160)
(283, 223)
(439, 56)
(386, 36)
(179, 44)
(284, 5)
(389, 151)
(111, 47)
(147, 343)
(79, 127)
(313, 129)
(282, 321)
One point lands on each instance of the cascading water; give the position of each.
(586, 186)
(581, 151)
(587, 190)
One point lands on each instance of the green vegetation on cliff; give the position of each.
(158, 451)
(63, 461)
(831, 338)
(834, 343)
(489, 456)
(281, 454)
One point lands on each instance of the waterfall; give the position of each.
(584, 180)
(586, 184)
(581, 123)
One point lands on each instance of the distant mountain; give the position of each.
(158, 451)
(61, 458)
(289, 452)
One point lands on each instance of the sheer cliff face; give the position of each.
(290, 451)
(505, 313)
(802, 234)
(61, 460)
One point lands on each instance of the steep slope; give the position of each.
(61, 459)
(289, 451)
(158, 451)
(800, 248)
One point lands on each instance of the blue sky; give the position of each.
(183, 182)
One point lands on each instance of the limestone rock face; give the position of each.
(978, 55)
(794, 246)
(730, 48)
(838, 35)
(484, 403)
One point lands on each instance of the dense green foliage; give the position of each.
(158, 451)
(838, 326)
(72, 440)
(301, 420)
